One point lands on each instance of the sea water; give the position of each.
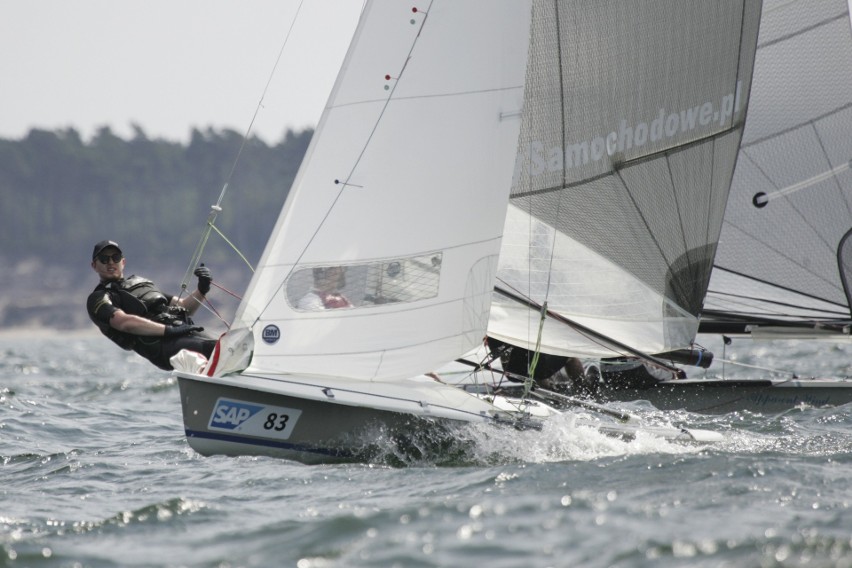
(96, 471)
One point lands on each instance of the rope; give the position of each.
(233, 246)
(234, 294)
(209, 306)
(759, 368)
(528, 381)
(533, 361)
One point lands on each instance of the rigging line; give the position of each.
(484, 364)
(530, 249)
(229, 292)
(713, 169)
(759, 368)
(260, 102)
(208, 305)
(807, 183)
(528, 380)
(777, 286)
(217, 208)
(678, 285)
(534, 30)
(528, 210)
(533, 363)
(531, 357)
(445, 94)
(549, 395)
(344, 184)
(617, 174)
(828, 161)
(199, 247)
(731, 303)
(781, 253)
(710, 197)
(781, 6)
(283, 377)
(810, 28)
(667, 154)
(740, 127)
(233, 246)
(561, 194)
(518, 296)
(795, 127)
(745, 307)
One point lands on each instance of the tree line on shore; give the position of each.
(61, 194)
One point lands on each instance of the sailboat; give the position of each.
(382, 264)
(781, 269)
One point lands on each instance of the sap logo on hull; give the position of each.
(230, 414)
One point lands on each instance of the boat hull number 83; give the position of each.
(251, 419)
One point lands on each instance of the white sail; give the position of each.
(633, 116)
(784, 251)
(405, 186)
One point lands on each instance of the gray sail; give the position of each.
(782, 256)
(632, 119)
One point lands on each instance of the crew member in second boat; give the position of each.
(135, 315)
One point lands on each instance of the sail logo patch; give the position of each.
(537, 159)
(271, 334)
(231, 414)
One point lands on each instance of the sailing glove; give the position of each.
(182, 329)
(204, 279)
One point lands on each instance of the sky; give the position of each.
(169, 65)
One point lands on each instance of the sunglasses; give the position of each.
(104, 258)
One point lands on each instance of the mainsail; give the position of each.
(784, 255)
(404, 190)
(632, 120)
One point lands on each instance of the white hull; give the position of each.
(328, 421)
(317, 420)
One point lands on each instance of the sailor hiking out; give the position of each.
(137, 316)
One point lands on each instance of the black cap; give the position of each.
(102, 245)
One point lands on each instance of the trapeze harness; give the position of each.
(137, 296)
